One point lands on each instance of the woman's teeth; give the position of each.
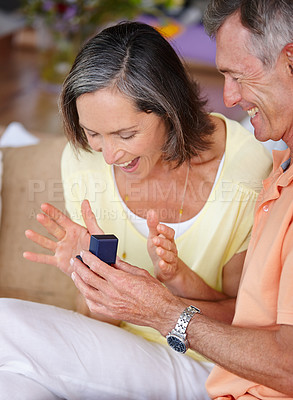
(124, 164)
(127, 164)
(252, 112)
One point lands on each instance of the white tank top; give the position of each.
(140, 224)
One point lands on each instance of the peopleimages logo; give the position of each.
(53, 189)
(146, 192)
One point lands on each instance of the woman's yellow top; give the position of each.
(222, 228)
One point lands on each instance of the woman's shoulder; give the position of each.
(242, 145)
(78, 160)
(246, 159)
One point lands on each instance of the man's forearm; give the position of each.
(256, 355)
(222, 311)
(133, 295)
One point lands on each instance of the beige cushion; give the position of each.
(1, 171)
(31, 176)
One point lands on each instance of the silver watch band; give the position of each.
(184, 319)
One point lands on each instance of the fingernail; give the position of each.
(71, 261)
(81, 253)
(73, 276)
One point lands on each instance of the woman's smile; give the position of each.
(129, 139)
(129, 166)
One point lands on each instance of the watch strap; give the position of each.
(185, 318)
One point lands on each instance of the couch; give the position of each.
(31, 175)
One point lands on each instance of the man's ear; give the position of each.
(289, 56)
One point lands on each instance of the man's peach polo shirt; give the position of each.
(265, 296)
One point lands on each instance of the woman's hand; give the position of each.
(71, 237)
(162, 249)
(170, 269)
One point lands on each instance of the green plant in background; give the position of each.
(70, 22)
(71, 17)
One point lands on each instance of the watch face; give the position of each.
(176, 343)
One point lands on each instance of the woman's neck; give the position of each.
(168, 190)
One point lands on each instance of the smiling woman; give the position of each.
(129, 139)
(143, 150)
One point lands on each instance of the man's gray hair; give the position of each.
(270, 23)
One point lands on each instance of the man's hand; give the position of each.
(126, 292)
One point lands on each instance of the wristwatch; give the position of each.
(177, 337)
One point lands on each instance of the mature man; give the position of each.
(255, 354)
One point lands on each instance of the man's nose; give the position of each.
(232, 94)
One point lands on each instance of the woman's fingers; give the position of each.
(152, 222)
(168, 256)
(51, 226)
(57, 216)
(90, 219)
(40, 258)
(41, 240)
(165, 244)
(166, 231)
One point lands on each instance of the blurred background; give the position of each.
(38, 41)
(40, 38)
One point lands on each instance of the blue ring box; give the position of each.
(104, 247)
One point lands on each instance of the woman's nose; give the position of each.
(111, 151)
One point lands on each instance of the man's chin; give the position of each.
(260, 137)
(259, 133)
